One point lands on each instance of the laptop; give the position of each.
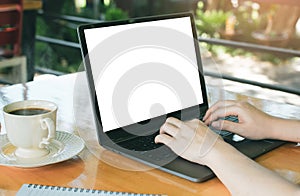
(141, 71)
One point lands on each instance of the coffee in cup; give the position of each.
(30, 126)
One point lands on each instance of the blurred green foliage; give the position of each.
(114, 13)
(210, 22)
(61, 58)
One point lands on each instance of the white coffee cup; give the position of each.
(30, 126)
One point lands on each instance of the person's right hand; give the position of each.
(192, 140)
(253, 123)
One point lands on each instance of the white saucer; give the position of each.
(64, 147)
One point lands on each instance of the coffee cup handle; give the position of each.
(47, 123)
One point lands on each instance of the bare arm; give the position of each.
(194, 141)
(285, 129)
(243, 176)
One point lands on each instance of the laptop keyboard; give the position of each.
(146, 147)
(224, 133)
(160, 154)
(143, 143)
(146, 143)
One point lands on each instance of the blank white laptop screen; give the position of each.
(142, 99)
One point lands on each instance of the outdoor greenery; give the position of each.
(247, 19)
(61, 58)
(209, 23)
(233, 23)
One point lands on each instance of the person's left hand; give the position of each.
(192, 140)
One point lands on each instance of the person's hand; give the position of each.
(192, 140)
(253, 123)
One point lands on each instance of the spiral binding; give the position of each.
(28, 189)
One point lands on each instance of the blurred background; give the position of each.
(254, 44)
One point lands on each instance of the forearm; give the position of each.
(284, 129)
(243, 176)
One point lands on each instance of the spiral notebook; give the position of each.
(36, 189)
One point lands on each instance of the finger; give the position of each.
(223, 112)
(215, 115)
(216, 106)
(169, 129)
(174, 121)
(164, 139)
(227, 125)
(213, 108)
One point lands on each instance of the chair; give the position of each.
(11, 16)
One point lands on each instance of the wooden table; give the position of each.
(96, 168)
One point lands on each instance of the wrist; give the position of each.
(274, 128)
(215, 153)
(285, 129)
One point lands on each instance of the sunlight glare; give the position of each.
(80, 3)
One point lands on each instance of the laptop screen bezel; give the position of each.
(119, 134)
